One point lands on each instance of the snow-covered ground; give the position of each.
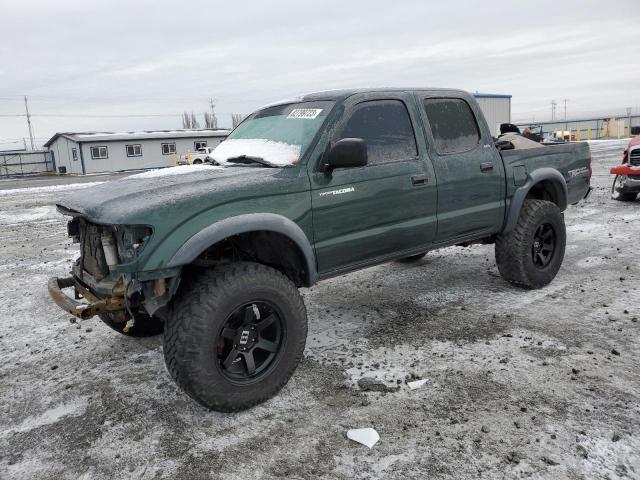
(519, 383)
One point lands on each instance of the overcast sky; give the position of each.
(85, 63)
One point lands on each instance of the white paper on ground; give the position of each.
(365, 436)
(416, 384)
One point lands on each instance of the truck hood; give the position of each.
(151, 196)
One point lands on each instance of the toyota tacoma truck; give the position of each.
(301, 191)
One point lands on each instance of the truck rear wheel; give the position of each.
(531, 254)
(235, 336)
(617, 190)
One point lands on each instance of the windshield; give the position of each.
(279, 135)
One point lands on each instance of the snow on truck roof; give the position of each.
(338, 94)
(335, 94)
(140, 135)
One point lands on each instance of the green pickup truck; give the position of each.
(301, 191)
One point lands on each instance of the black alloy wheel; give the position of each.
(249, 341)
(235, 335)
(543, 245)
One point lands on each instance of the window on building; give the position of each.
(74, 154)
(199, 145)
(134, 150)
(385, 127)
(453, 124)
(168, 148)
(98, 153)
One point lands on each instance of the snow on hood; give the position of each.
(166, 172)
(275, 153)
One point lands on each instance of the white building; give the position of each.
(92, 152)
(496, 109)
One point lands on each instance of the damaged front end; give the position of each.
(104, 278)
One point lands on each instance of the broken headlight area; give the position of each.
(130, 240)
(103, 247)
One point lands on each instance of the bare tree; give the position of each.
(237, 118)
(189, 121)
(210, 120)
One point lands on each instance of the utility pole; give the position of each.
(629, 118)
(553, 110)
(566, 124)
(214, 119)
(26, 107)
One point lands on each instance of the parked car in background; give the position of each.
(626, 184)
(196, 158)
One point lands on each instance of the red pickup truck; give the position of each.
(626, 184)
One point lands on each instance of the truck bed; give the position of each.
(572, 160)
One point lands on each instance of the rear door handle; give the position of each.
(486, 167)
(419, 179)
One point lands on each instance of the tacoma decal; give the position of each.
(338, 192)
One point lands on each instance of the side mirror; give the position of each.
(346, 153)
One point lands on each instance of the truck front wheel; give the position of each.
(617, 190)
(531, 254)
(235, 336)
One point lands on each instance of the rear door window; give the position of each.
(385, 127)
(453, 125)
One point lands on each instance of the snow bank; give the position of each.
(276, 153)
(50, 188)
(26, 215)
(167, 172)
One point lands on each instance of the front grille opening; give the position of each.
(91, 251)
(634, 157)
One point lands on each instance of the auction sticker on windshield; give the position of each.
(304, 113)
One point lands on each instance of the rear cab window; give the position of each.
(386, 128)
(453, 125)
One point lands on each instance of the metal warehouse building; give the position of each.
(93, 152)
(496, 109)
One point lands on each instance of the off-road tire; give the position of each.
(412, 258)
(199, 312)
(145, 326)
(514, 249)
(617, 194)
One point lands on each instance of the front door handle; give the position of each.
(419, 179)
(486, 167)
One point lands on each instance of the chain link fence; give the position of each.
(25, 163)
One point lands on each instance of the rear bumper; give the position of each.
(94, 305)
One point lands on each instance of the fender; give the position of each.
(250, 222)
(535, 177)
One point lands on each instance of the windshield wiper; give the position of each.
(246, 159)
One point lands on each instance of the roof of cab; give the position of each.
(344, 93)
